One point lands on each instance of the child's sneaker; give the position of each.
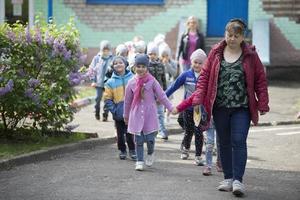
(104, 117)
(123, 155)
(238, 188)
(199, 161)
(132, 154)
(149, 160)
(163, 137)
(139, 166)
(225, 185)
(207, 171)
(184, 153)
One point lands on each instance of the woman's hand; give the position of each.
(262, 112)
(93, 85)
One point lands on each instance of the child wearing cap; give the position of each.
(157, 70)
(97, 72)
(189, 79)
(114, 102)
(140, 110)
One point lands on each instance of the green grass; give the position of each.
(85, 91)
(11, 148)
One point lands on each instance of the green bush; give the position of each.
(38, 72)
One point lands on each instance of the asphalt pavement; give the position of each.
(97, 173)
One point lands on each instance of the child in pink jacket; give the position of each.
(140, 110)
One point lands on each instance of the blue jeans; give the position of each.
(139, 144)
(209, 146)
(161, 120)
(232, 126)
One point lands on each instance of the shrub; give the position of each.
(38, 69)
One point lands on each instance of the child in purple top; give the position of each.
(140, 110)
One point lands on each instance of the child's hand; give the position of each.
(175, 111)
(126, 121)
(93, 85)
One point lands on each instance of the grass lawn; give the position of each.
(85, 91)
(11, 148)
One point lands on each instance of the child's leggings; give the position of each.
(191, 129)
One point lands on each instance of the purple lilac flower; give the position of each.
(38, 36)
(49, 39)
(28, 35)
(11, 35)
(33, 82)
(74, 78)
(67, 54)
(59, 47)
(7, 88)
(29, 93)
(50, 102)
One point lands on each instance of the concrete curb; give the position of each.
(53, 152)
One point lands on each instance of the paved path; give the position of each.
(272, 173)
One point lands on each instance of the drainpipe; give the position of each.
(50, 10)
(31, 13)
(2, 11)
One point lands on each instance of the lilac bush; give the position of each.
(39, 68)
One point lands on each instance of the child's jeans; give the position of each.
(161, 120)
(139, 144)
(210, 142)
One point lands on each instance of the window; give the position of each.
(128, 2)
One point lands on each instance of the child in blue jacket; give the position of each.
(189, 79)
(114, 102)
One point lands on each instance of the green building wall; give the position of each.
(290, 29)
(161, 23)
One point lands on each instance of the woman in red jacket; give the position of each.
(233, 88)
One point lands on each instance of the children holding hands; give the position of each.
(140, 109)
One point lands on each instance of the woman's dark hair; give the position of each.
(237, 25)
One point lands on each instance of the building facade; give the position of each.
(119, 21)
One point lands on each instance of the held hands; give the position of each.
(262, 112)
(175, 111)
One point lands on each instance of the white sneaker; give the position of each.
(139, 166)
(225, 185)
(199, 161)
(150, 160)
(238, 188)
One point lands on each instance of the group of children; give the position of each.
(136, 86)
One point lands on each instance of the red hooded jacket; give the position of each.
(256, 82)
